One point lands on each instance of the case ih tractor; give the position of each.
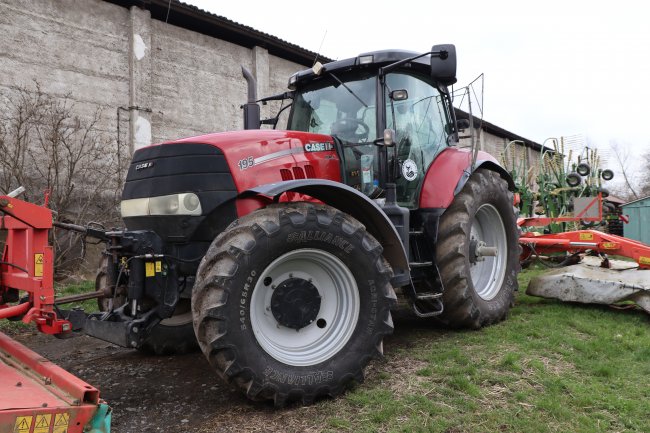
(280, 251)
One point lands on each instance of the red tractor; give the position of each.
(281, 250)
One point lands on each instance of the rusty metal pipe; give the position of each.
(82, 297)
(71, 227)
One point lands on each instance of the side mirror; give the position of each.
(387, 140)
(399, 95)
(443, 64)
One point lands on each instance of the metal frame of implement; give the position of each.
(37, 396)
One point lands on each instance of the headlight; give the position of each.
(165, 205)
(174, 204)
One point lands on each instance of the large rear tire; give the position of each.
(174, 335)
(292, 301)
(478, 291)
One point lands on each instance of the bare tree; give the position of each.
(622, 158)
(52, 152)
(644, 181)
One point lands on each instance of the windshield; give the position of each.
(350, 114)
(331, 108)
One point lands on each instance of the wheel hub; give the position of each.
(295, 303)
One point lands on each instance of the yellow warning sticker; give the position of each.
(42, 423)
(609, 245)
(38, 264)
(158, 267)
(23, 424)
(586, 236)
(644, 260)
(61, 421)
(149, 269)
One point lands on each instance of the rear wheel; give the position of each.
(479, 281)
(292, 301)
(174, 335)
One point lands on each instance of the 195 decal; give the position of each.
(245, 163)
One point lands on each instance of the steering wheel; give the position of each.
(347, 127)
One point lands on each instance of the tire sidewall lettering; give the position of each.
(304, 237)
(244, 300)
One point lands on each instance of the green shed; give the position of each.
(639, 226)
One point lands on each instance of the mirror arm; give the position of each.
(386, 69)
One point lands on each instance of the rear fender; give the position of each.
(450, 171)
(348, 200)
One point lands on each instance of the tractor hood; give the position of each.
(181, 187)
(257, 157)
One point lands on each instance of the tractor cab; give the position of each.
(389, 113)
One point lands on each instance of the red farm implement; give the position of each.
(36, 395)
(580, 282)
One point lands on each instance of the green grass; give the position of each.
(551, 367)
(14, 327)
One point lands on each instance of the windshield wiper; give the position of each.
(318, 69)
(347, 88)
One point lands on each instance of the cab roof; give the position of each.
(370, 60)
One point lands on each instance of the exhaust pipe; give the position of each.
(251, 109)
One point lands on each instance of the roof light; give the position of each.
(365, 60)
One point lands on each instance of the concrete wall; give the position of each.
(170, 82)
(516, 152)
(74, 48)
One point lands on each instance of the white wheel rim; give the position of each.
(488, 274)
(339, 308)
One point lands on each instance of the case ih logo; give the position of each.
(318, 147)
(144, 165)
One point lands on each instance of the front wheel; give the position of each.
(478, 253)
(292, 301)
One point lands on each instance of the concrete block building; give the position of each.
(156, 69)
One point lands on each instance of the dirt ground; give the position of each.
(179, 393)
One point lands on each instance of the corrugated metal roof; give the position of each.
(193, 18)
(500, 132)
(637, 200)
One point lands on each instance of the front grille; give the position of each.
(177, 168)
(174, 168)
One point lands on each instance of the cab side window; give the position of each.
(419, 122)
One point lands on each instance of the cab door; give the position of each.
(420, 124)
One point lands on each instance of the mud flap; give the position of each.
(594, 285)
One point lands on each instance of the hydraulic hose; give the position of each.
(16, 310)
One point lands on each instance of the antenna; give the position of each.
(319, 48)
